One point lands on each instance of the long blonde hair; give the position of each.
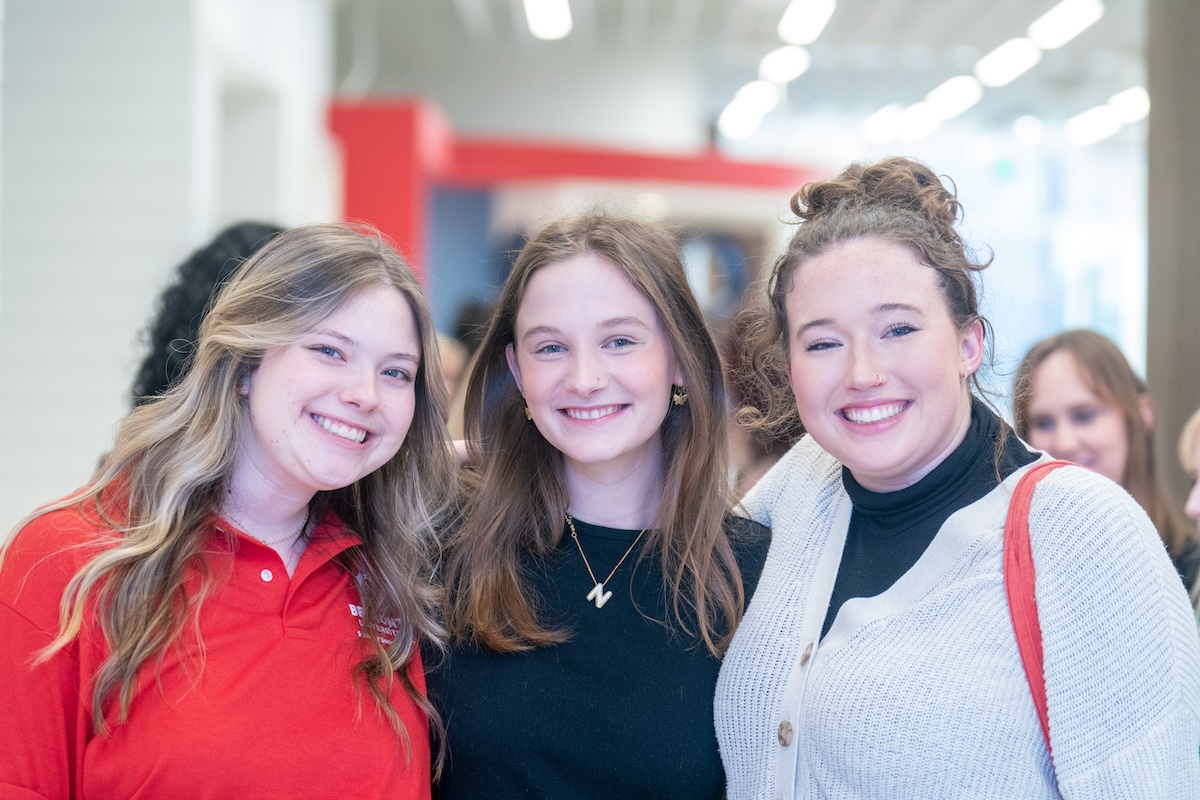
(519, 504)
(172, 461)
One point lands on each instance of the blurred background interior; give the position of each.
(134, 130)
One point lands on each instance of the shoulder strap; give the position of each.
(1018, 585)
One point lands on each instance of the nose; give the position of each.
(586, 374)
(1192, 506)
(865, 370)
(361, 390)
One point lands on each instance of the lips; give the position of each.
(356, 435)
(872, 414)
(588, 414)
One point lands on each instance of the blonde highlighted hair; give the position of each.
(173, 458)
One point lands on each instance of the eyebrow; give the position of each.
(879, 309)
(608, 324)
(341, 337)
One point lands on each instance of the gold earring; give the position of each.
(678, 396)
(527, 414)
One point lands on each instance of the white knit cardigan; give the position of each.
(919, 692)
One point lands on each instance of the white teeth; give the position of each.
(863, 416)
(344, 431)
(591, 413)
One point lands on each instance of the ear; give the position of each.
(1146, 407)
(245, 383)
(971, 348)
(510, 355)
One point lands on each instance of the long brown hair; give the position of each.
(173, 458)
(518, 505)
(1108, 375)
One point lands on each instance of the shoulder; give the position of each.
(44, 555)
(805, 474)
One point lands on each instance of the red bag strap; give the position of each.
(1018, 585)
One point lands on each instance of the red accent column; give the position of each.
(391, 152)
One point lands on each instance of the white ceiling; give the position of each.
(477, 60)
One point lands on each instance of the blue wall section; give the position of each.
(463, 263)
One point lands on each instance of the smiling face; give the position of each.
(335, 405)
(1069, 420)
(876, 363)
(594, 364)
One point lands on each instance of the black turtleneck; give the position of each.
(890, 530)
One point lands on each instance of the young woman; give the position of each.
(878, 658)
(230, 607)
(1076, 397)
(1189, 459)
(596, 576)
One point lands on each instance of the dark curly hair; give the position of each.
(171, 336)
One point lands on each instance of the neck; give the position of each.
(627, 498)
(262, 510)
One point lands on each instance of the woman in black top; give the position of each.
(596, 576)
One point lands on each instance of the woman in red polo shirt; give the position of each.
(231, 606)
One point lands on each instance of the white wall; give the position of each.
(133, 130)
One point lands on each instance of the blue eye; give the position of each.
(620, 342)
(550, 349)
(903, 329)
(326, 350)
(1042, 424)
(819, 346)
(398, 373)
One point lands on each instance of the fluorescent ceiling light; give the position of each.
(1131, 104)
(804, 20)
(785, 64)
(758, 96)
(738, 121)
(881, 127)
(1064, 22)
(918, 121)
(954, 96)
(1008, 61)
(1092, 125)
(548, 19)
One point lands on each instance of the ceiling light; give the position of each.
(955, 96)
(548, 19)
(1131, 104)
(738, 121)
(758, 96)
(1064, 22)
(804, 20)
(785, 64)
(918, 121)
(1092, 125)
(881, 126)
(1008, 61)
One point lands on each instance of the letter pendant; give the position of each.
(598, 596)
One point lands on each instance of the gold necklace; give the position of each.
(296, 535)
(597, 595)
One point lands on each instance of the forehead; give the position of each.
(866, 272)
(1061, 379)
(582, 288)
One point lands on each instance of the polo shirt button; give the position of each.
(785, 733)
(266, 575)
(807, 655)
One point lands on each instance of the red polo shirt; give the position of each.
(272, 710)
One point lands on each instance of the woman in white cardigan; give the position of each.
(878, 658)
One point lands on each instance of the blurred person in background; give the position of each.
(1189, 458)
(231, 607)
(171, 335)
(1076, 397)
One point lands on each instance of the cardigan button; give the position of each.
(266, 575)
(785, 733)
(807, 654)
